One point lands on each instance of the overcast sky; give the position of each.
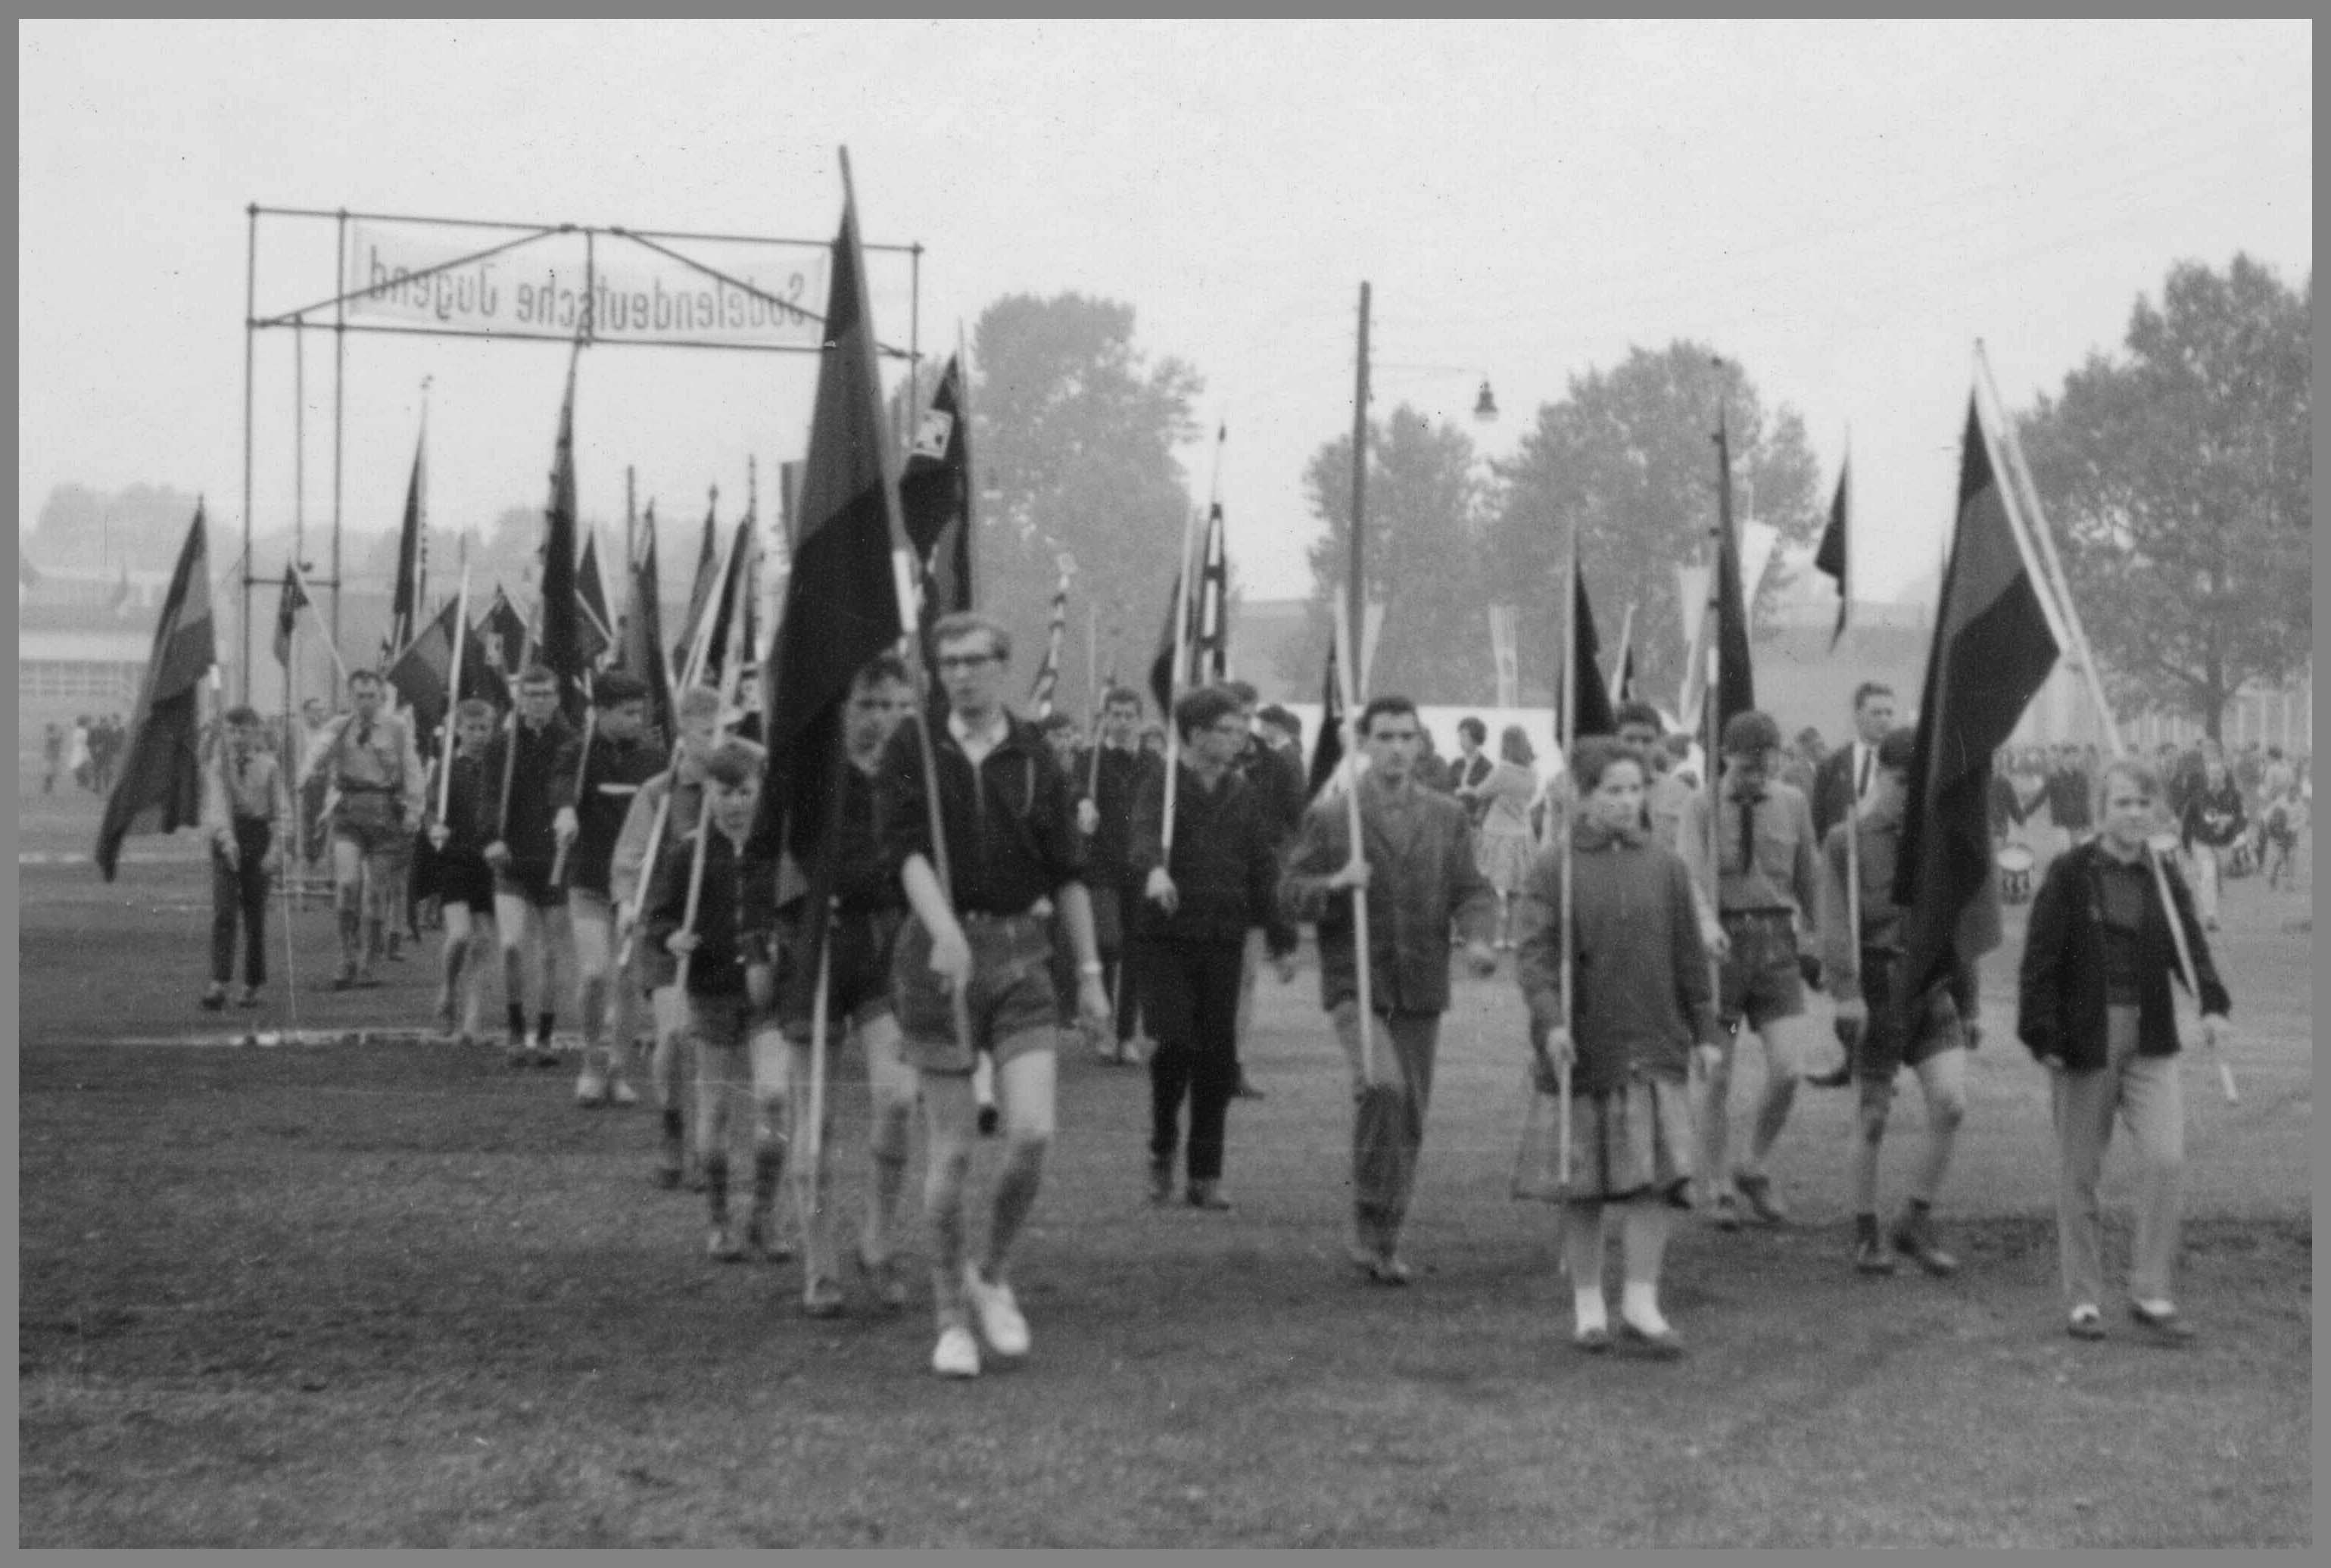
(1843, 207)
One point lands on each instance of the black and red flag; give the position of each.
(598, 605)
(562, 648)
(1210, 624)
(1995, 644)
(1328, 746)
(640, 653)
(504, 634)
(424, 671)
(842, 602)
(1594, 714)
(1736, 682)
(160, 788)
(412, 555)
(286, 612)
(700, 589)
(1056, 632)
(1831, 556)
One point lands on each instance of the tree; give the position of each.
(1629, 458)
(1073, 437)
(141, 526)
(2178, 480)
(1424, 522)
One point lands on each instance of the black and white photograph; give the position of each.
(1163, 784)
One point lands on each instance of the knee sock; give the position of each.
(768, 1166)
(351, 936)
(716, 1185)
(518, 1019)
(542, 1026)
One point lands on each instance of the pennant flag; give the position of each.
(640, 652)
(1594, 715)
(412, 546)
(422, 671)
(1736, 690)
(1830, 558)
(117, 601)
(708, 569)
(842, 598)
(1048, 674)
(1210, 629)
(562, 648)
(1995, 644)
(1328, 746)
(160, 786)
(502, 632)
(934, 497)
(286, 612)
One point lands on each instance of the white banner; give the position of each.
(542, 287)
(1505, 654)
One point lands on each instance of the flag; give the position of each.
(1995, 644)
(1594, 716)
(412, 545)
(1048, 674)
(286, 612)
(160, 787)
(1210, 629)
(641, 651)
(708, 568)
(1328, 746)
(562, 648)
(424, 670)
(934, 497)
(1162, 674)
(721, 610)
(118, 600)
(504, 635)
(1830, 558)
(841, 600)
(1735, 690)
(599, 620)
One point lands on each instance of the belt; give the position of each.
(1042, 910)
(1765, 916)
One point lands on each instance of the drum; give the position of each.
(2015, 863)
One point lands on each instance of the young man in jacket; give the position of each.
(1418, 874)
(1189, 929)
(621, 758)
(526, 811)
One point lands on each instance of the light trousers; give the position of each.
(2146, 1093)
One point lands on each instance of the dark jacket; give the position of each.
(1225, 866)
(2060, 1004)
(2214, 817)
(611, 775)
(1123, 773)
(1421, 877)
(541, 783)
(2067, 793)
(1010, 822)
(1280, 785)
(727, 940)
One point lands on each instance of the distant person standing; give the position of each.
(1114, 780)
(1504, 846)
(52, 752)
(1473, 768)
(2066, 793)
(84, 774)
(2211, 823)
(1848, 775)
(242, 800)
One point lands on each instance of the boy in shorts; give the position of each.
(457, 876)
(524, 827)
(366, 757)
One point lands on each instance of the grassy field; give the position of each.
(396, 1294)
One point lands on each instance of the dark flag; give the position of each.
(1328, 746)
(599, 620)
(424, 670)
(1995, 644)
(412, 545)
(160, 788)
(562, 648)
(640, 653)
(286, 613)
(1831, 557)
(1048, 674)
(1736, 686)
(721, 611)
(1594, 715)
(841, 600)
(1162, 673)
(1209, 626)
(934, 495)
(699, 590)
(503, 633)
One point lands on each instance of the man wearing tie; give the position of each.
(1848, 774)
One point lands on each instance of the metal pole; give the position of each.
(300, 465)
(1356, 590)
(340, 422)
(250, 350)
(914, 345)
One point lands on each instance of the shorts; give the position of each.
(374, 822)
(858, 975)
(1760, 979)
(455, 877)
(1890, 1040)
(529, 880)
(1011, 1003)
(1107, 917)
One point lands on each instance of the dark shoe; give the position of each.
(213, 999)
(1837, 1077)
(1870, 1257)
(250, 997)
(2085, 1322)
(346, 980)
(885, 1282)
(1915, 1239)
(990, 1118)
(1387, 1269)
(1667, 1345)
(1726, 1211)
(1757, 1192)
(367, 980)
(1595, 1341)
(1161, 1180)
(764, 1242)
(517, 1055)
(1245, 1090)
(1206, 1196)
(2168, 1326)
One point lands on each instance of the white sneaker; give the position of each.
(1000, 1323)
(956, 1353)
(590, 1090)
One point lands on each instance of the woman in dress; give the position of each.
(1503, 848)
(1638, 1004)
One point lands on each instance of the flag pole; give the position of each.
(454, 695)
(1619, 666)
(728, 671)
(308, 603)
(1360, 950)
(1173, 680)
(1568, 737)
(2019, 491)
